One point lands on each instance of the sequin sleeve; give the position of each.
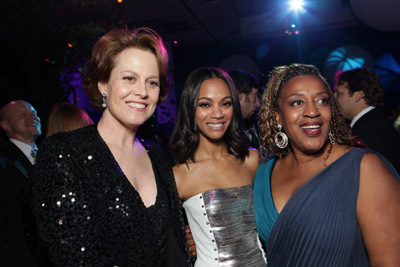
(63, 206)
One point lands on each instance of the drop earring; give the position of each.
(281, 139)
(331, 137)
(104, 104)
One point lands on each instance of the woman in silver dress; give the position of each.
(215, 171)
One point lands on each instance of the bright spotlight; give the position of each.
(296, 5)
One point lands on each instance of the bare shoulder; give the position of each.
(180, 172)
(376, 179)
(372, 166)
(253, 160)
(378, 211)
(253, 155)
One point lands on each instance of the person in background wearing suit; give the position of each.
(20, 123)
(359, 94)
(247, 89)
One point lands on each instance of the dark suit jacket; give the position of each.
(14, 169)
(377, 133)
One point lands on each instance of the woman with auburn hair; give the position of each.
(319, 200)
(67, 117)
(102, 197)
(215, 171)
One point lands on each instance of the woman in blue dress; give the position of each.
(319, 200)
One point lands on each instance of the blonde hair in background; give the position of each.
(67, 117)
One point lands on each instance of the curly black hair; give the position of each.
(278, 77)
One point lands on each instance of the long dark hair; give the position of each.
(185, 137)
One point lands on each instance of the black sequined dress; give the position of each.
(89, 214)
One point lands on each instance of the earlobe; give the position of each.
(277, 117)
(102, 87)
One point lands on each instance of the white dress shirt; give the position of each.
(359, 115)
(25, 148)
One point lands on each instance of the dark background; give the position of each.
(44, 44)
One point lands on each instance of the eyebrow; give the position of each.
(301, 94)
(135, 73)
(207, 98)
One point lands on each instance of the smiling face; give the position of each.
(214, 109)
(20, 121)
(133, 88)
(305, 113)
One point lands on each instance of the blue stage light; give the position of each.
(297, 5)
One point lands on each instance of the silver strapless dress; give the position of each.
(224, 228)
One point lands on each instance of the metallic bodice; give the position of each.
(224, 229)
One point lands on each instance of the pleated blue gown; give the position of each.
(318, 226)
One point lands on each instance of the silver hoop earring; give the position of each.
(281, 139)
(104, 104)
(331, 137)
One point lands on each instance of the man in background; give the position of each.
(247, 88)
(20, 123)
(359, 94)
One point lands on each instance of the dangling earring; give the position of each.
(281, 139)
(104, 104)
(331, 137)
